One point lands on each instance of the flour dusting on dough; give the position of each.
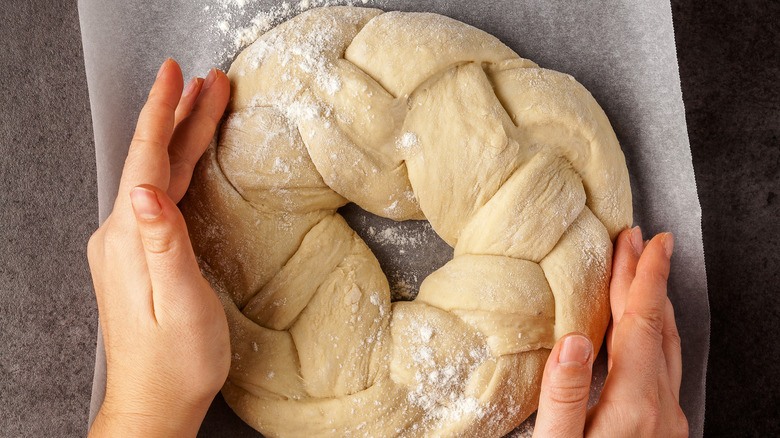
(243, 21)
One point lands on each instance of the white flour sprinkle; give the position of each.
(408, 144)
(280, 166)
(298, 111)
(398, 237)
(242, 21)
(426, 333)
(439, 388)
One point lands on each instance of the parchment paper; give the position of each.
(623, 52)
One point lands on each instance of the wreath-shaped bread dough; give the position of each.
(409, 115)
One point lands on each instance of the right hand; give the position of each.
(641, 396)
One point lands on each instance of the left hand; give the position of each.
(641, 396)
(164, 328)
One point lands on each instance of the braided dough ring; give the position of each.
(411, 116)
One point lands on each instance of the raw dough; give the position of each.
(409, 115)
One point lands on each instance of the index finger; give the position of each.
(147, 158)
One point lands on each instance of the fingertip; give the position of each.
(214, 76)
(215, 92)
(168, 68)
(193, 85)
(635, 238)
(653, 270)
(163, 67)
(188, 98)
(220, 75)
(169, 79)
(221, 82)
(629, 244)
(210, 78)
(658, 247)
(668, 241)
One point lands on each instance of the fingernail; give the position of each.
(190, 87)
(668, 244)
(576, 350)
(163, 67)
(145, 203)
(636, 240)
(212, 76)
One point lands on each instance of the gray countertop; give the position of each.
(728, 55)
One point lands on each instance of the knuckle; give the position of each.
(158, 102)
(157, 247)
(94, 246)
(159, 242)
(658, 420)
(568, 393)
(673, 338)
(113, 238)
(181, 164)
(141, 141)
(206, 116)
(652, 276)
(651, 324)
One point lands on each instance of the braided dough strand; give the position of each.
(410, 116)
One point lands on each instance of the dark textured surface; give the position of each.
(729, 58)
(47, 211)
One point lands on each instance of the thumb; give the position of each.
(563, 402)
(173, 269)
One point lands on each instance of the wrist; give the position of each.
(166, 418)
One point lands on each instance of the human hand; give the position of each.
(164, 328)
(642, 391)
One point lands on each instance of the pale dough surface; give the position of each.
(411, 116)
